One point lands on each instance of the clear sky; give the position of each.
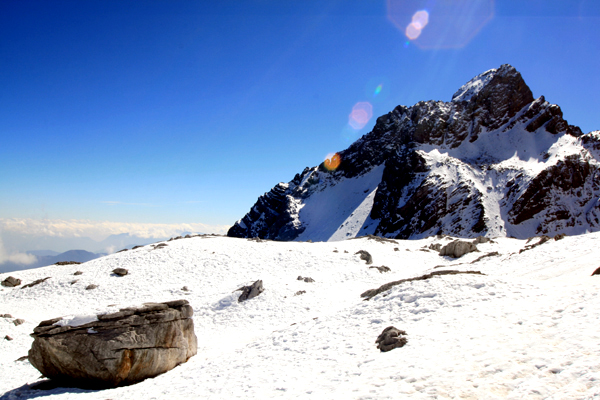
(171, 112)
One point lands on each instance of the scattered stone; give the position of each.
(120, 251)
(187, 237)
(482, 239)
(118, 349)
(379, 239)
(78, 273)
(435, 246)
(18, 321)
(305, 279)
(396, 249)
(364, 255)
(596, 272)
(24, 358)
(457, 248)
(185, 289)
(390, 339)
(120, 271)
(9, 338)
(383, 268)
(136, 247)
(560, 236)
(256, 239)
(369, 294)
(335, 251)
(91, 287)
(345, 251)
(11, 281)
(492, 254)
(299, 292)
(309, 241)
(5, 315)
(74, 281)
(66, 263)
(542, 239)
(251, 291)
(36, 282)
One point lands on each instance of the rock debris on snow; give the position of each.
(251, 291)
(364, 255)
(11, 281)
(391, 338)
(491, 336)
(120, 271)
(369, 294)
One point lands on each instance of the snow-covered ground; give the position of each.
(527, 329)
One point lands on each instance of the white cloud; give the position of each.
(99, 230)
(17, 258)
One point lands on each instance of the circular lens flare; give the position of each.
(332, 161)
(420, 19)
(360, 115)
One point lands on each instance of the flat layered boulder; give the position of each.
(116, 349)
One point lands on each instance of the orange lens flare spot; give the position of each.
(332, 161)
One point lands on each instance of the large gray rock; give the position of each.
(11, 281)
(118, 349)
(457, 248)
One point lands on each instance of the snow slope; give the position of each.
(528, 328)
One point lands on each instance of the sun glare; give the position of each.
(332, 161)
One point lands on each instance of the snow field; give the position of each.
(526, 329)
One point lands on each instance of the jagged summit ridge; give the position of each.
(493, 161)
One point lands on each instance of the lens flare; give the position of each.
(332, 161)
(378, 90)
(420, 19)
(360, 115)
(440, 24)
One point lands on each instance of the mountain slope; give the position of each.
(527, 329)
(493, 161)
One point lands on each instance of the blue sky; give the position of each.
(171, 112)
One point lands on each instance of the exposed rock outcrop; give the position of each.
(457, 248)
(115, 349)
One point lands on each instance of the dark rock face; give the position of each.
(456, 168)
(118, 349)
(391, 338)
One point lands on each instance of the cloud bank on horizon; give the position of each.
(99, 230)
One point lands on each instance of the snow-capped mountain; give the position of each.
(494, 161)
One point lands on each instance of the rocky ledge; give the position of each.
(115, 349)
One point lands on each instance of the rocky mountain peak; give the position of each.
(493, 161)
